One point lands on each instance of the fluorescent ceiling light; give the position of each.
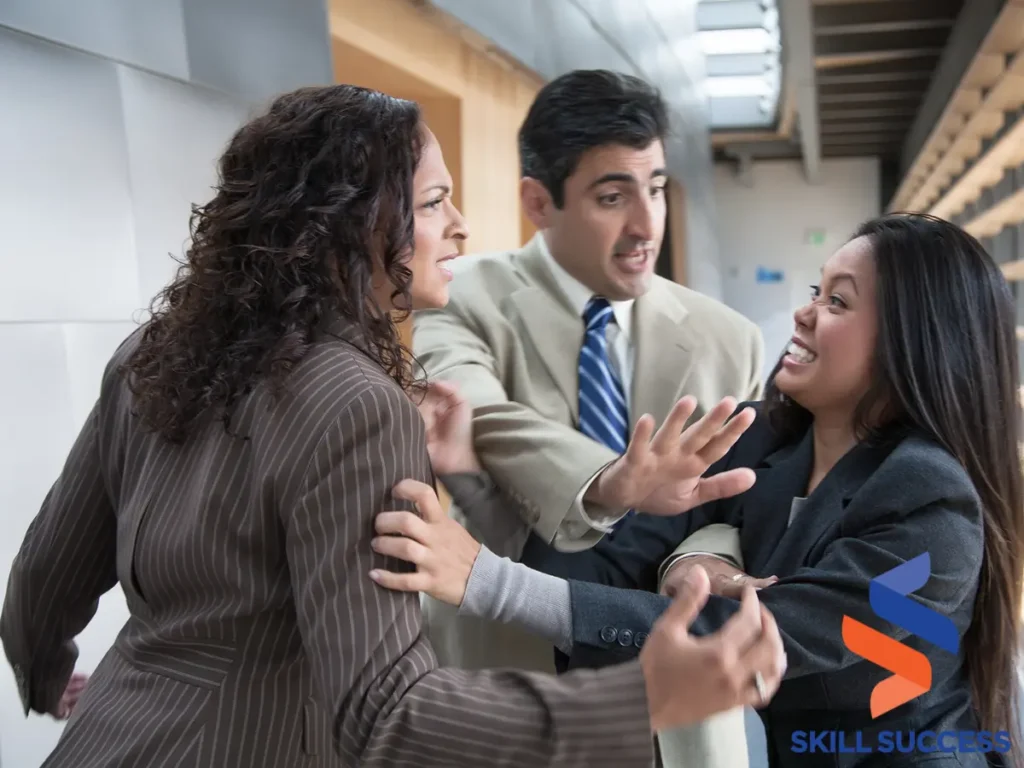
(725, 87)
(731, 41)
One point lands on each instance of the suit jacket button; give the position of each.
(640, 639)
(608, 634)
(626, 638)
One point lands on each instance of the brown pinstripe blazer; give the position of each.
(256, 638)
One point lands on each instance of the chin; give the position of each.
(436, 299)
(631, 289)
(785, 384)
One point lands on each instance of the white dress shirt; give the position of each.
(622, 357)
(621, 350)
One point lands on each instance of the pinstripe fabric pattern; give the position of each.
(256, 638)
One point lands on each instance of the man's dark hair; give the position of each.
(582, 110)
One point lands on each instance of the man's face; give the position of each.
(609, 230)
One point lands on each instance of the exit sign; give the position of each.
(814, 237)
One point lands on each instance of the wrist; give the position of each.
(601, 492)
(461, 465)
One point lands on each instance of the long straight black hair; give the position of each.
(946, 366)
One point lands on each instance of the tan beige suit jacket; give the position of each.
(511, 339)
(256, 638)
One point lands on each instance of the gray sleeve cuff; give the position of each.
(501, 590)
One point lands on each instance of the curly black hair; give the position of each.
(311, 196)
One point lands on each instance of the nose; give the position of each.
(804, 317)
(458, 229)
(641, 220)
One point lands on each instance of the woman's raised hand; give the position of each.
(449, 421)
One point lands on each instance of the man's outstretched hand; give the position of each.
(661, 471)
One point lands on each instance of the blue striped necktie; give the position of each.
(604, 414)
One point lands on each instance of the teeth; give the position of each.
(800, 354)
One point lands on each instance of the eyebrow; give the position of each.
(844, 276)
(627, 178)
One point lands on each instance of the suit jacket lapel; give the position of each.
(781, 476)
(825, 507)
(666, 347)
(550, 323)
(771, 546)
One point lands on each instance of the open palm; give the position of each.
(661, 472)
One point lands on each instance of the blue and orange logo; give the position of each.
(911, 670)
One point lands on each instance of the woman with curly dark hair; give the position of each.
(227, 479)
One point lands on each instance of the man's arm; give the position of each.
(630, 559)
(375, 671)
(67, 561)
(490, 516)
(546, 467)
(809, 606)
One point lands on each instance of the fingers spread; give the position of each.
(723, 485)
(667, 436)
(722, 442)
(640, 442)
(697, 435)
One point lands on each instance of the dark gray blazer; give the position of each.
(878, 508)
(256, 637)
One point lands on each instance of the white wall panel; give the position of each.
(87, 349)
(175, 134)
(147, 33)
(101, 157)
(38, 424)
(52, 379)
(65, 204)
(258, 48)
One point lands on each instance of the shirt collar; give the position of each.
(578, 294)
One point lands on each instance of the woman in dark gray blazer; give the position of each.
(888, 504)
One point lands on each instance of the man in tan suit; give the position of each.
(513, 337)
